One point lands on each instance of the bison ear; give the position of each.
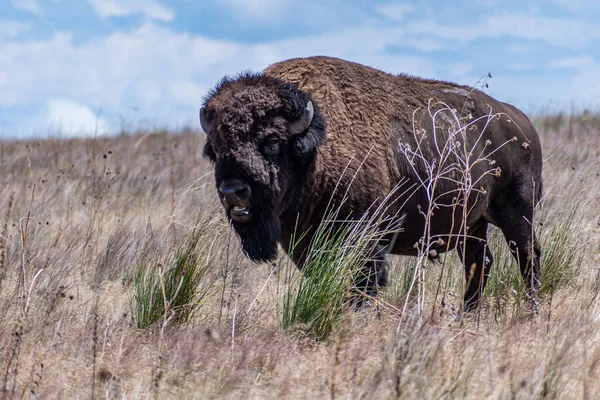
(309, 133)
(209, 152)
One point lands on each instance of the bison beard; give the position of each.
(259, 237)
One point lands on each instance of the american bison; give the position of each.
(284, 141)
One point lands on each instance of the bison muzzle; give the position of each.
(306, 133)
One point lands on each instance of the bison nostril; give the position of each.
(242, 193)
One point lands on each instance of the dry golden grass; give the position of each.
(79, 216)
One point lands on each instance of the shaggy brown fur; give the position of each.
(366, 123)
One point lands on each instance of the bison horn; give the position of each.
(203, 122)
(302, 123)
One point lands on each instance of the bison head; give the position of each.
(262, 134)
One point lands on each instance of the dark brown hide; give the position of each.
(365, 126)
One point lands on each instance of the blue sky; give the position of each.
(67, 66)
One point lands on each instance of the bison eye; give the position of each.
(271, 149)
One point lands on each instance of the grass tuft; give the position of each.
(316, 303)
(172, 289)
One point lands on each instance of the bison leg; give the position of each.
(372, 276)
(477, 259)
(527, 257)
(514, 221)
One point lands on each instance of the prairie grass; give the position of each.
(82, 217)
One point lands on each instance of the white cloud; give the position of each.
(256, 9)
(119, 71)
(577, 5)
(13, 29)
(187, 92)
(554, 31)
(165, 74)
(522, 67)
(571, 62)
(67, 118)
(394, 11)
(459, 69)
(522, 48)
(487, 3)
(123, 8)
(138, 68)
(428, 44)
(30, 6)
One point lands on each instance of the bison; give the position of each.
(285, 140)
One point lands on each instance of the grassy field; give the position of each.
(120, 278)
